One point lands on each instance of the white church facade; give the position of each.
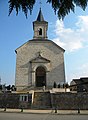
(40, 61)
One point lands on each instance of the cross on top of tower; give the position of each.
(40, 2)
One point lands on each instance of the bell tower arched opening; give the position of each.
(40, 76)
(40, 31)
(40, 27)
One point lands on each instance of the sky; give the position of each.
(71, 34)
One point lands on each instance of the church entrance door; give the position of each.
(40, 77)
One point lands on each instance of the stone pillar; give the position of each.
(46, 79)
(33, 78)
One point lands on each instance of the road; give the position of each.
(22, 116)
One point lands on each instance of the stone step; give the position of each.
(42, 100)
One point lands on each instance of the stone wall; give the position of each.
(12, 100)
(9, 100)
(62, 101)
(70, 100)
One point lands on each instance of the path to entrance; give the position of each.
(20, 116)
(35, 111)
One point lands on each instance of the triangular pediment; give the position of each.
(40, 59)
(38, 41)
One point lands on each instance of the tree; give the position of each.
(54, 85)
(67, 85)
(8, 87)
(60, 7)
(58, 85)
(0, 87)
(13, 88)
(63, 85)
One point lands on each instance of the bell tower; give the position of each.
(40, 27)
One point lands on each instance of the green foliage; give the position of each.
(0, 87)
(67, 85)
(58, 85)
(81, 3)
(54, 85)
(25, 5)
(61, 7)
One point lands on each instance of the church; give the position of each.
(39, 61)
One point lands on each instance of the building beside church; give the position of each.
(79, 85)
(40, 61)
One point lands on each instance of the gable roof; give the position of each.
(81, 81)
(43, 41)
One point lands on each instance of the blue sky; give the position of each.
(71, 34)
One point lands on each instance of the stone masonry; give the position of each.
(42, 53)
(25, 71)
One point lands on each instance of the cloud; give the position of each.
(83, 70)
(72, 39)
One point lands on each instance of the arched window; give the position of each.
(40, 31)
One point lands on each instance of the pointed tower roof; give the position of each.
(40, 27)
(40, 17)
